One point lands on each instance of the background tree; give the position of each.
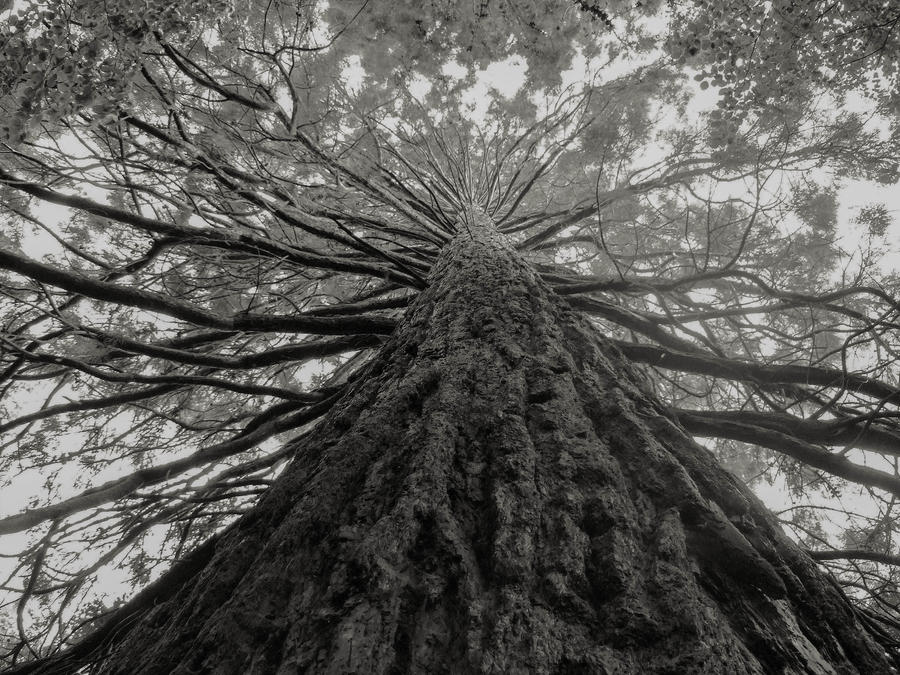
(255, 194)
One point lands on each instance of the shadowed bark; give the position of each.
(497, 495)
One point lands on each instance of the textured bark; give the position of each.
(498, 495)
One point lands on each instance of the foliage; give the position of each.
(772, 55)
(206, 232)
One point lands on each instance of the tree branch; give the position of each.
(833, 463)
(855, 554)
(837, 432)
(732, 369)
(124, 486)
(156, 302)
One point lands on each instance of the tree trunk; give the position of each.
(498, 495)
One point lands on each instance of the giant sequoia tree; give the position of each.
(347, 365)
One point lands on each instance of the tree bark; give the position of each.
(499, 495)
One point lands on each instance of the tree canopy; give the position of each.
(213, 214)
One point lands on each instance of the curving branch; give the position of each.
(855, 554)
(120, 488)
(834, 463)
(157, 302)
(90, 404)
(294, 352)
(732, 369)
(207, 237)
(858, 433)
